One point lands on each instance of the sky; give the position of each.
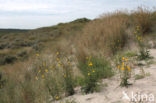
(31, 14)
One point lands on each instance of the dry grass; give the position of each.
(144, 18)
(111, 32)
(106, 34)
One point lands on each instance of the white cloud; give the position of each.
(36, 13)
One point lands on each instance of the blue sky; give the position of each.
(30, 14)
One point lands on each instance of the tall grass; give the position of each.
(107, 34)
(144, 18)
(110, 33)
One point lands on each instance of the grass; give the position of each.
(138, 76)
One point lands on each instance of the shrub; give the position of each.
(93, 70)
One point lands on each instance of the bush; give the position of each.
(93, 70)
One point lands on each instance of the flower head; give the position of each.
(89, 74)
(126, 59)
(44, 64)
(122, 68)
(118, 66)
(90, 64)
(57, 53)
(123, 63)
(57, 98)
(46, 70)
(42, 76)
(37, 55)
(129, 69)
(39, 71)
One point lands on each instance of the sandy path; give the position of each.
(113, 93)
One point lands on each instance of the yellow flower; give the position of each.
(36, 78)
(57, 53)
(89, 74)
(90, 57)
(139, 38)
(123, 63)
(123, 58)
(135, 32)
(68, 62)
(44, 64)
(93, 71)
(46, 70)
(59, 65)
(118, 66)
(90, 64)
(39, 71)
(43, 76)
(37, 55)
(57, 59)
(138, 27)
(122, 68)
(87, 58)
(128, 68)
(126, 59)
(57, 98)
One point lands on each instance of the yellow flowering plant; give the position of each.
(125, 72)
(143, 51)
(93, 69)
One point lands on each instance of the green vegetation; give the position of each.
(138, 76)
(23, 44)
(7, 31)
(94, 69)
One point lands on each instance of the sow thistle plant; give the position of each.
(94, 69)
(90, 78)
(57, 76)
(143, 51)
(125, 72)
